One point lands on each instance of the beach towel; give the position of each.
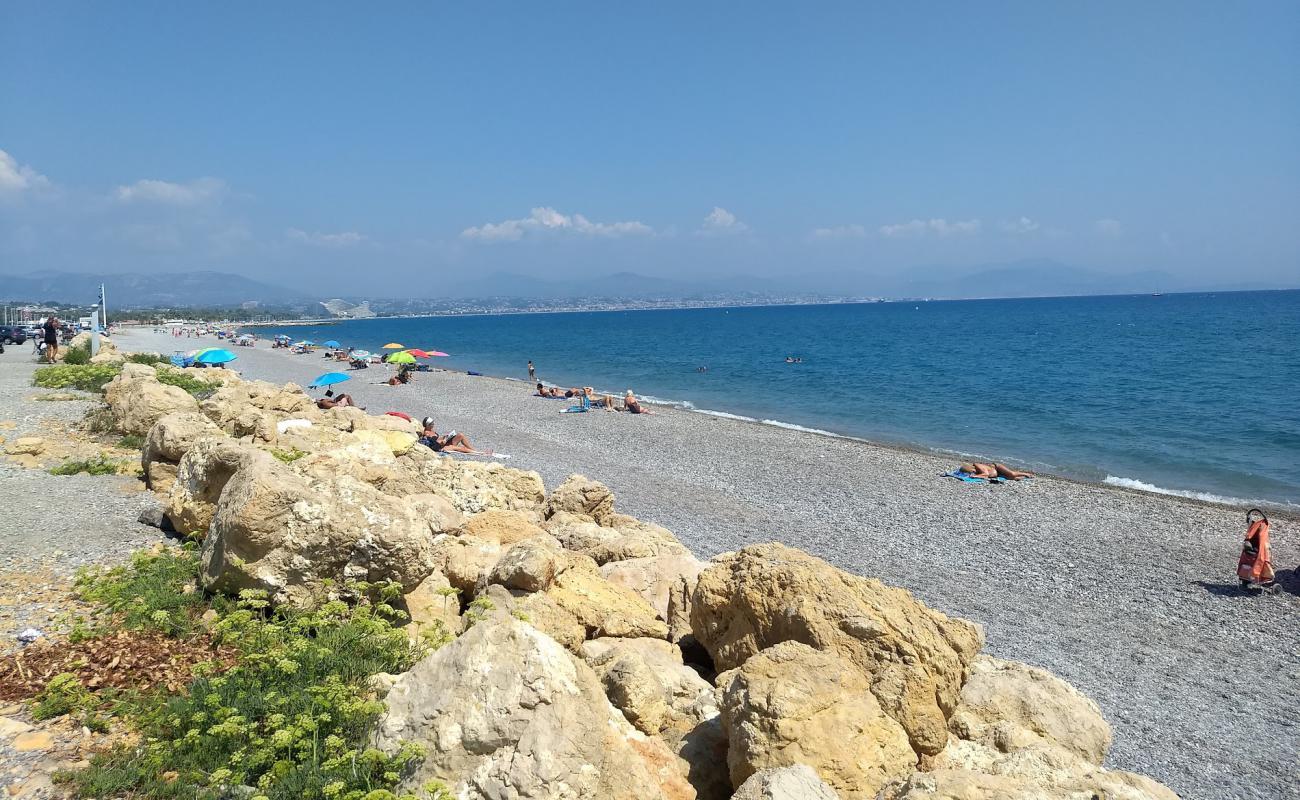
(290, 424)
(966, 477)
(585, 405)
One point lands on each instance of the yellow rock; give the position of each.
(33, 740)
(396, 442)
(26, 446)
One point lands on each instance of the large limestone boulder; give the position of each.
(465, 560)
(1020, 732)
(1095, 784)
(202, 476)
(916, 659)
(620, 537)
(529, 566)
(384, 422)
(603, 608)
(505, 713)
(656, 578)
(172, 436)
(647, 681)
(791, 704)
(657, 693)
(160, 476)
(138, 400)
(503, 527)
(798, 782)
(474, 487)
(581, 497)
(288, 534)
(1006, 704)
(540, 611)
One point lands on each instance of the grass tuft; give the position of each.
(288, 456)
(99, 465)
(195, 386)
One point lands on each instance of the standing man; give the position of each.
(51, 332)
(532, 373)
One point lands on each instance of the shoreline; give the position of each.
(1130, 596)
(1275, 508)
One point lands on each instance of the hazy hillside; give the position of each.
(139, 290)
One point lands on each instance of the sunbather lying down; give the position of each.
(330, 401)
(979, 469)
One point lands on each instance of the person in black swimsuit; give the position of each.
(454, 442)
(51, 331)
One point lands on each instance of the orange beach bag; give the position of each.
(1256, 562)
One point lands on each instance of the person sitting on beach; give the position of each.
(632, 406)
(979, 469)
(454, 442)
(403, 376)
(330, 401)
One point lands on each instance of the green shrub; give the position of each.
(152, 359)
(292, 718)
(92, 466)
(195, 386)
(154, 591)
(87, 377)
(132, 441)
(64, 694)
(77, 356)
(288, 456)
(100, 420)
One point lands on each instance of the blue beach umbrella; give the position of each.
(329, 379)
(332, 343)
(217, 356)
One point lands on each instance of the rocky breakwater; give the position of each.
(578, 652)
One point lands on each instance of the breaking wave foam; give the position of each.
(776, 423)
(1143, 486)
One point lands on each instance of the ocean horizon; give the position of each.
(1184, 394)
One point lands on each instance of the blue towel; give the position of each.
(966, 477)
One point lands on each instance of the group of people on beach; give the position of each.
(594, 399)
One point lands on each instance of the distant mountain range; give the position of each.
(136, 290)
(1033, 278)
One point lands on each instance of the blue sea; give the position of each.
(1195, 394)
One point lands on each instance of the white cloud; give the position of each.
(938, 227)
(1022, 225)
(839, 232)
(342, 239)
(1109, 227)
(15, 177)
(720, 220)
(546, 219)
(172, 194)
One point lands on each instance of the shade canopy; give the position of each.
(215, 356)
(401, 358)
(329, 379)
(393, 346)
(332, 343)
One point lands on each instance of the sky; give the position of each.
(366, 146)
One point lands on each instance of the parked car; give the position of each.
(12, 334)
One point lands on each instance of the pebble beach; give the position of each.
(1129, 596)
